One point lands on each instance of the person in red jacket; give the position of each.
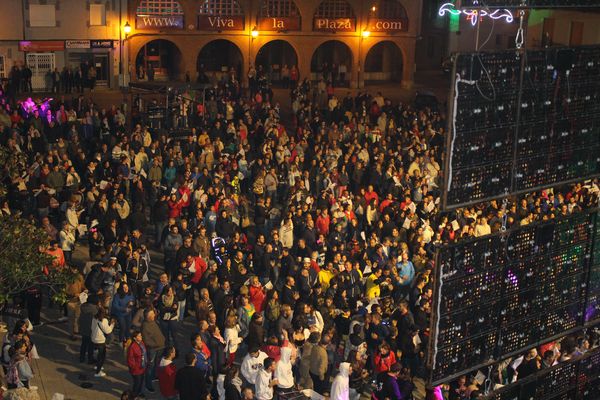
(197, 267)
(257, 294)
(323, 222)
(384, 359)
(166, 374)
(137, 361)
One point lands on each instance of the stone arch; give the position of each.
(327, 59)
(220, 56)
(273, 55)
(160, 55)
(384, 62)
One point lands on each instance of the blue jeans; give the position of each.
(151, 369)
(138, 383)
(124, 327)
(169, 329)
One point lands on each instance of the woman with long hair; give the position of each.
(168, 311)
(232, 338)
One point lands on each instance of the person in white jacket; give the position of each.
(232, 338)
(252, 364)
(265, 381)
(340, 389)
(283, 369)
(67, 241)
(100, 328)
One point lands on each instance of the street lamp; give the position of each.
(127, 29)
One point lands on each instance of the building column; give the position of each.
(408, 68)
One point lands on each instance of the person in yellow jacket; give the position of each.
(325, 275)
(373, 281)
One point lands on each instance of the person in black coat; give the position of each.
(190, 381)
(216, 345)
(95, 279)
(256, 331)
(224, 226)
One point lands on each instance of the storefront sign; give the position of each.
(51, 45)
(334, 25)
(157, 21)
(388, 25)
(102, 44)
(279, 24)
(90, 44)
(77, 44)
(220, 23)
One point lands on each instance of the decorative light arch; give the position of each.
(475, 15)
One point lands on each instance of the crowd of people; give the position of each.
(68, 80)
(300, 247)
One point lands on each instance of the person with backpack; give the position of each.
(19, 371)
(101, 327)
(137, 361)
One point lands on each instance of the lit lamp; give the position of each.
(366, 34)
(254, 33)
(127, 29)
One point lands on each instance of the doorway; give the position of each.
(101, 63)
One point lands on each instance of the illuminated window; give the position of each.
(388, 9)
(334, 9)
(159, 7)
(278, 8)
(2, 70)
(221, 7)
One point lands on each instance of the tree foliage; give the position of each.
(23, 258)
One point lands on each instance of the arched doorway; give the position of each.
(383, 63)
(159, 60)
(219, 57)
(274, 57)
(332, 61)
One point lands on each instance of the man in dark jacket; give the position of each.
(190, 381)
(95, 279)
(387, 386)
(88, 310)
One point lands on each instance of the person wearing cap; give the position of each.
(386, 386)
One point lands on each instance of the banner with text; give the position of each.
(159, 21)
(220, 23)
(388, 25)
(278, 24)
(334, 24)
(50, 45)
